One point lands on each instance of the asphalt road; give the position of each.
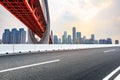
(87, 64)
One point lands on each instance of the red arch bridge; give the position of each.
(34, 14)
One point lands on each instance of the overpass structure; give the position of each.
(34, 14)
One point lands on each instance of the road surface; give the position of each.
(86, 64)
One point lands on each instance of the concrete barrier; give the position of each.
(20, 48)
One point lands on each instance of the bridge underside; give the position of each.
(24, 12)
(32, 15)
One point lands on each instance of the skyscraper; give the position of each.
(74, 35)
(78, 34)
(65, 34)
(55, 39)
(6, 36)
(92, 40)
(78, 38)
(69, 40)
(92, 36)
(64, 38)
(14, 36)
(21, 36)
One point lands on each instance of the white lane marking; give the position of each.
(118, 77)
(27, 66)
(112, 73)
(110, 50)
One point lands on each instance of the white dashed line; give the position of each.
(27, 66)
(109, 51)
(112, 73)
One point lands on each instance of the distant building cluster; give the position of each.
(107, 41)
(77, 38)
(14, 37)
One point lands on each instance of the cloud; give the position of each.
(81, 10)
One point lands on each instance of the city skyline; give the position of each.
(88, 16)
(78, 38)
(15, 36)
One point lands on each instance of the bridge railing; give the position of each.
(26, 48)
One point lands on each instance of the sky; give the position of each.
(99, 17)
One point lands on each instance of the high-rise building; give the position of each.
(78, 34)
(55, 39)
(6, 36)
(78, 38)
(14, 36)
(69, 40)
(116, 41)
(65, 34)
(21, 36)
(64, 38)
(92, 40)
(92, 36)
(74, 35)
